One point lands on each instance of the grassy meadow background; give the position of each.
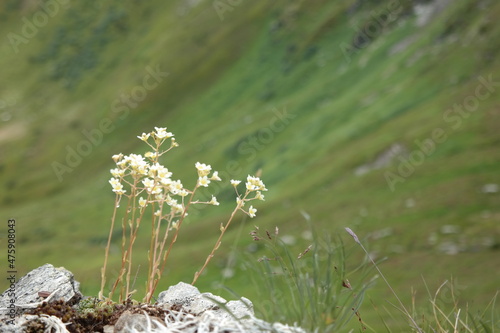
(314, 93)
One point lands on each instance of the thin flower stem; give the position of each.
(150, 291)
(164, 241)
(133, 236)
(124, 252)
(151, 247)
(218, 242)
(155, 248)
(108, 245)
(155, 227)
(131, 239)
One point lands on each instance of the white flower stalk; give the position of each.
(151, 185)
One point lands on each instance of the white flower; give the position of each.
(175, 225)
(170, 201)
(177, 208)
(144, 137)
(117, 186)
(252, 211)
(155, 190)
(175, 187)
(259, 196)
(136, 163)
(134, 159)
(215, 176)
(118, 173)
(203, 181)
(251, 184)
(235, 182)
(166, 181)
(141, 169)
(117, 157)
(239, 202)
(142, 202)
(163, 172)
(151, 154)
(183, 193)
(158, 213)
(254, 184)
(151, 186)
(159, 170)
(118, 189)
(122, 164)
(203, 169)
(213, 201)
(148, 182)
(152, 170)
(161, 133)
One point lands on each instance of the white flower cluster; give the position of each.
(159, 136)
(253, 184)
(145, 175)
(203, 172)
(144, 182)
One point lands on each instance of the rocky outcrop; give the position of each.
(181, 308)
(194, 312)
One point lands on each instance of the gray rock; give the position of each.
(201, 312)
(179, 295)
(53, 283)
(187, 298)
(240, 308)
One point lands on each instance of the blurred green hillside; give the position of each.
(380, 116)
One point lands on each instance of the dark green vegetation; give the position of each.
(354, 78)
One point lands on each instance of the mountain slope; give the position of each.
(309, 92)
